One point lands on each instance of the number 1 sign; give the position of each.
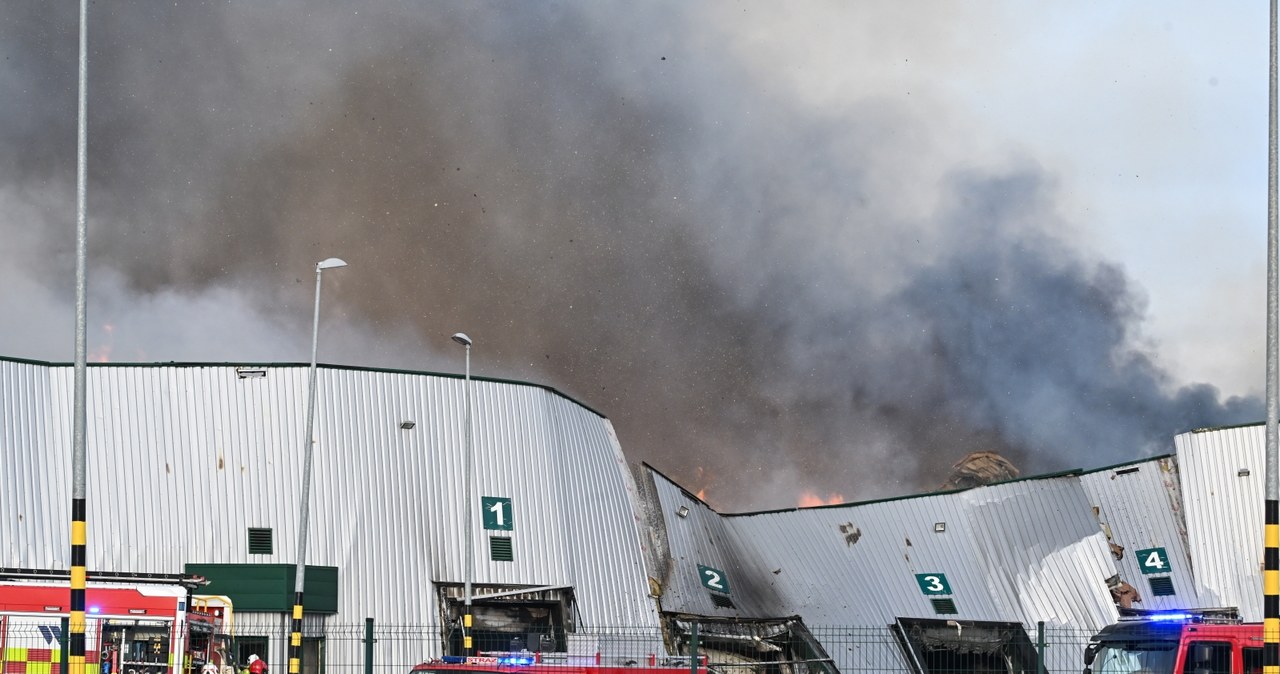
(498, 515)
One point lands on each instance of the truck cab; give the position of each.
(1209, 641)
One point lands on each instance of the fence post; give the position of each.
(368, 646)
(693, 648)
(65, 623)
(1040, 647)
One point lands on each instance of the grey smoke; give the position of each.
(607, 204)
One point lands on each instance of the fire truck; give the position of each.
(134, 624)
(525, 662)
(1203, 641)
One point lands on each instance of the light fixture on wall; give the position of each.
(682, 511)
(407, 425)
(939, 527)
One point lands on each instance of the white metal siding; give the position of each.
(182, 460)
(1224, 511)
(1024, 552)
(1140, 504)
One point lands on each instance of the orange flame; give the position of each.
(809, 499)
(102, 353)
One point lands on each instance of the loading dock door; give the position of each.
(974, 647)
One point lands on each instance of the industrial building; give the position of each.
(196, 468)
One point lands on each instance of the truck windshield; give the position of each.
(1129, 657)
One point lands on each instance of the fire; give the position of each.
(102, 352)
(809, 499)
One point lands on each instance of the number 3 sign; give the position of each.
(933, 583)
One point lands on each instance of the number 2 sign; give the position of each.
(713, 579)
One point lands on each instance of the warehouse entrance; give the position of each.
(934, 646)
(506, 618)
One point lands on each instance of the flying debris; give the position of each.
(979, 468)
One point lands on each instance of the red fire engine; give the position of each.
(1207, 641)
(558, 663)
(134, 624)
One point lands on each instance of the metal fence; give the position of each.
(728, 648)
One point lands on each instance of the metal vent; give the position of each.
(500, 549)
(721, 601)
(944, 606)
(260, 541)
(1161, 586)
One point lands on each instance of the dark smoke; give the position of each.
(610, 206)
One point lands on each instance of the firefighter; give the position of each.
(257, 665)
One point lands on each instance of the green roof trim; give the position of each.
(269, 587)
(349, 368)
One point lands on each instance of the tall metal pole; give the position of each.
(1271, 552)
(79, 527)
(308, 444)
(465, 341)
(470, 554)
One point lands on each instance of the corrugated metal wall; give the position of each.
(184, 459)
(1140, 505)
(1023, 551)
(1223, 474)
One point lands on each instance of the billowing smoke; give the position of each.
(765, 298)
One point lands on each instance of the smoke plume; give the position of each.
(767, 298)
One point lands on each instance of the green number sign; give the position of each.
(498, 514)
(933, 583)
(713, 579)
(1153, 560)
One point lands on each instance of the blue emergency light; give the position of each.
(1179, 616)
(516, 660)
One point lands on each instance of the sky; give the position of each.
(796, 254)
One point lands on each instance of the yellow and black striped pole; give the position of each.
(295, 635)
(75, 621)
(1271, 508)
(1271, 534)
(76, 626)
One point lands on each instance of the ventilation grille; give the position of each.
(260, 542)
(944, 606)
(721, 601)
(500, 549)
(1161, 586)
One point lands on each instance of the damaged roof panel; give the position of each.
(1022, 551)
(1138, 506)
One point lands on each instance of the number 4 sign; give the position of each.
(1153, 560)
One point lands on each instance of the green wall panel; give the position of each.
(269, 587)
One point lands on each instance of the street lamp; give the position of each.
(308, 443)
(465, 341)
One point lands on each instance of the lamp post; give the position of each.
(308, 444)
(465, 341)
